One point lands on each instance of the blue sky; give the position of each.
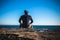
(43, 12)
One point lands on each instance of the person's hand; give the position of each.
(30, 26)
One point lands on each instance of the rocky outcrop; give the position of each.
(28, 34)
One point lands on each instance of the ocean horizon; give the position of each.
(49, 27)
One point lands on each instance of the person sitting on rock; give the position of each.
(25, 20)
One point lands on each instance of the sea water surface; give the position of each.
(49, 27)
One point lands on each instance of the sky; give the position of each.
(43, 12)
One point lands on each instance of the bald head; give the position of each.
(26, 12)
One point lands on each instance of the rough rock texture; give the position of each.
(28, 34)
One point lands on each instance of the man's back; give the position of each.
(25, 19)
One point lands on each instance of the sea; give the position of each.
(49, 27)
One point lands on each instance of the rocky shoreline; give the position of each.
(28, 34)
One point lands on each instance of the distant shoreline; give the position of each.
(49, 27)
(43, 25)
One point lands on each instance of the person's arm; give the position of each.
(20, 20)
(31, 20)
(30, 26)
